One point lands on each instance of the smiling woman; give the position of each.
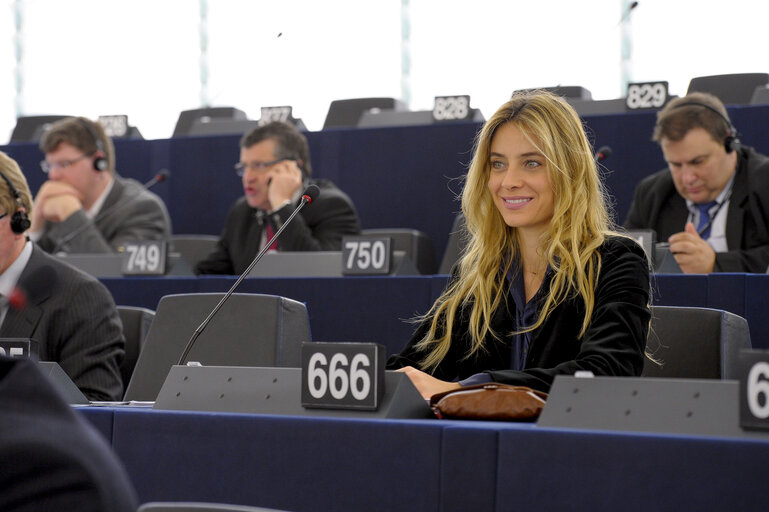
(544, 287)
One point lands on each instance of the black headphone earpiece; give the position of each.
(732, 141)
(19, 220)
(100, 163)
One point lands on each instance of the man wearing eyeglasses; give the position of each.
(275, 168)
(85, 207)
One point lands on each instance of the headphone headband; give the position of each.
(731, 142)
(100, 163)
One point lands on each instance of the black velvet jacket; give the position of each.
(613, 344)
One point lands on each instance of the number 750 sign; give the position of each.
(366, 255)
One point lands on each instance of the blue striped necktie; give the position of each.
(705, 219)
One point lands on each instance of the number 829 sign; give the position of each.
(342, 375)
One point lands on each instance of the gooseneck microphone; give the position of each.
(309, 195)
(602, 154)
(160, 177)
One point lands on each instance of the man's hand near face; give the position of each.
(55, 202)
(284, 180)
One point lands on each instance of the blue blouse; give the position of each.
(525, 315)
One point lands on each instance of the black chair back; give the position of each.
(347, 113)
(194, 248)
(417, 246)
(732, 89)
(249, 330)
(695, 343)
(455, 246)
(136, 324)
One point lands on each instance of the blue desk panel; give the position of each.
(364, 309)
(378, 309)
(581, 470)
(310, 464)
(288, 463)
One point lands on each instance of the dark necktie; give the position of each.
(270, 233)
(705, 219)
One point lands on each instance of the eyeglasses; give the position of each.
(241, 167)
(64, 164)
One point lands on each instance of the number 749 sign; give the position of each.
(144, 258)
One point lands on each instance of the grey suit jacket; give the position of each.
(75, 322)
(130, 213)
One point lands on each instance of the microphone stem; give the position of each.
(261, 253)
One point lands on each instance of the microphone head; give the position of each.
(163, 175)
(603, 153)
(311, 193)
(32, 287)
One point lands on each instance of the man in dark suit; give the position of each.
(71, 315)
(712, 204)
(275, 168)
(85, 207)
(50, 457)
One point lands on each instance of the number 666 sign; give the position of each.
(753, 372)
(342, 375)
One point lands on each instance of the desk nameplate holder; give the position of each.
(320, 264)
(277, 391)
(63, 383)
(630, 404)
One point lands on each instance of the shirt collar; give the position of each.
(720, 198)
(94, 210)
(518, 290)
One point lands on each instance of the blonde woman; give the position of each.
(544, 287)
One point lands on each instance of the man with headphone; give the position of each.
(70, 314)
(85, 207)
(712, 204)
(275, 169)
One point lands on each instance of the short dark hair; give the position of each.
(683, 114)
(86, 135)
(289, 143)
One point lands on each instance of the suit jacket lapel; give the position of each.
(736, 214)
(21, 324)
(109, 204)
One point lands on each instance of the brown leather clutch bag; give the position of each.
(489, 401)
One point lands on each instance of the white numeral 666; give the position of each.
(757, 389)
(336, 378)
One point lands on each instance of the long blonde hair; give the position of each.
(578, 227)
